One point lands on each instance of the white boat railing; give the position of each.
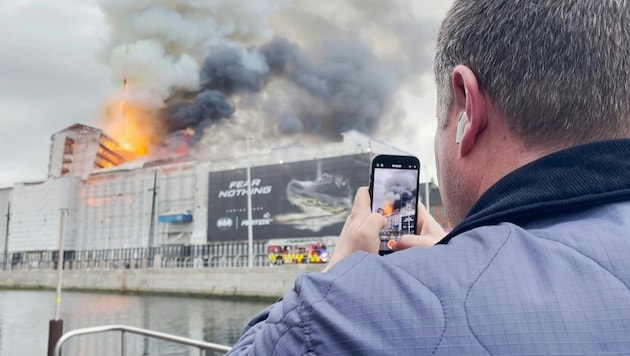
(201, 345)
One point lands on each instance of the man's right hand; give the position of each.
(360, 232)
(430, 232)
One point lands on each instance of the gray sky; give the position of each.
(51, 78)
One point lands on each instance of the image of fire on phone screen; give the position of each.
(394, 192)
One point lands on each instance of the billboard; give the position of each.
(298, 199)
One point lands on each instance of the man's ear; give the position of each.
(470, 100)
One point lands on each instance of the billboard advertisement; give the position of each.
(298, 199)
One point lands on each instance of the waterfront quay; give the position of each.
(160, 271)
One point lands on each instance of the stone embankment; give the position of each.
(234, 282)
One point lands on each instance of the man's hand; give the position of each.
(430, 232)
(360, 232)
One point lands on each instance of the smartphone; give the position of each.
(394, 192)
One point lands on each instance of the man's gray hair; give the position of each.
(559, 70)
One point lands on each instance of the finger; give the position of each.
(407, 241)
(368, 232)
(362, 201)
(427, 225)
(373, 224)
(422, 210)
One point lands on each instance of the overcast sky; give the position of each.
(51, 77)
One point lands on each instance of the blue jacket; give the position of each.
(540, 266)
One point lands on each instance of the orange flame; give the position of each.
(132, 127)
(388, 208)
(183, 146)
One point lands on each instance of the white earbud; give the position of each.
(460, 127)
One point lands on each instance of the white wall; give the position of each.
(115, 207)
(36, 215)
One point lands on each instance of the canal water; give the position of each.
(25, 315)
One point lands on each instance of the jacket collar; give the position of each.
(564, 181)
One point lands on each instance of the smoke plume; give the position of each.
(283, 71)
(400, 188)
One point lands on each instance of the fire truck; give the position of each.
(295, 251)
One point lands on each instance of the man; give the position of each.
(534, 170)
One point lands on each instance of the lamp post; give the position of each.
(250, 233)
(55, 327)
(59, 266)
(152, 222)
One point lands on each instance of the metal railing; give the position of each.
(218, 255)
(228, 254)
(201, 345)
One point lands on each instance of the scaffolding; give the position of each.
(36, 210)
(78, 150)
(137, 205)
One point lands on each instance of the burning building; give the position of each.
(80, 149)
(193, 81)
(102, 197)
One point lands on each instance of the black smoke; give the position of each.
(350, 85)
(223, 70)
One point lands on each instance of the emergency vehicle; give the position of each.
(304, 250)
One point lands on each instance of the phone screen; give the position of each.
(394, 191)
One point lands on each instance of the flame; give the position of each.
(388, 208)
(184, 145)
(131, 127)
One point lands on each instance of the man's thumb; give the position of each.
(407, 241)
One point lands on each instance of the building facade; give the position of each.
(100, 197)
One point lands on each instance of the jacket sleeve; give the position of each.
(276, 330)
